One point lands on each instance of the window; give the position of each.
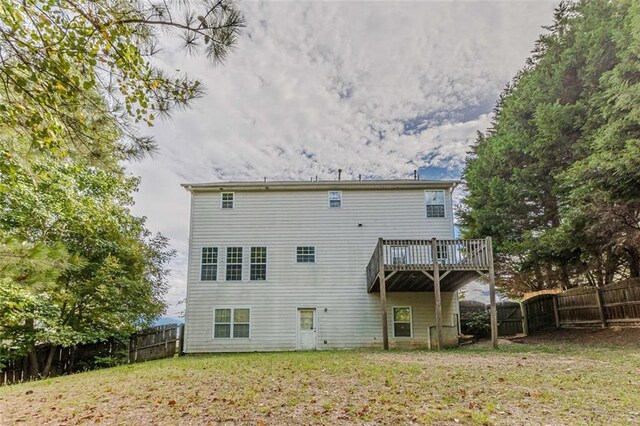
(209, 264)
(234, 263)
(258, 268)
(305, 254)
(402, 321)
(228, 322)
(435, 203)
(335, 199)
(227, 200)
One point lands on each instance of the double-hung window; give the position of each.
(234, 264)
(402, 321)
(231, 323)
(226, 200)
(305, 254)
(258, 268)
(434, 201)
(209, 264)
(335, 199)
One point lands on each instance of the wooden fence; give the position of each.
(539, 313)
(153, 343)
(614, 304)
(509, 316)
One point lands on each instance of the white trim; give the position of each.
(315, 326)
(393, 322)
(329, 199)
(226, 262)
(232, 308)
(217, 262)
(444, 205)
(266, 263)
(233, 200)
(315, 255)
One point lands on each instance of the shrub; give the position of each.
(478, 324)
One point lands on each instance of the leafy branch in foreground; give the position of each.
(55, 55)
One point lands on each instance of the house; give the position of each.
(324, 265)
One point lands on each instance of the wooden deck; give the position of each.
(430, 265)
(406, 261)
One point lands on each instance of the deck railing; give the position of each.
(407, 255)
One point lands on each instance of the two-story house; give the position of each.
(330, 264)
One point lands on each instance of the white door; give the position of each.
(306, 329)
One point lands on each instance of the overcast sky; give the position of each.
(374, 88)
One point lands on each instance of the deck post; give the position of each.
(383, 295)
(492, 296)
(436, 291)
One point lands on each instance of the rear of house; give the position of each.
(283, 265)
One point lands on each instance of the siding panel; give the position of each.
(347, 316)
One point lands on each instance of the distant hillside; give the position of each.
(168, 320)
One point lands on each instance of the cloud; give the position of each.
(377, 89)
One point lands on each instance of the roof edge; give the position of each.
(319, 185)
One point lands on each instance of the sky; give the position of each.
(375, 88)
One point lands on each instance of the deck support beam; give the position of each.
(383, 297)
(436, 290)
(492, 296)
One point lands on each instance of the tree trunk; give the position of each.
(634, 262)
(49, 363)
(72, 359)
(34, 365)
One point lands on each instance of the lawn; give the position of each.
(523, 383)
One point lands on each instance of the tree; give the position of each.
(76, 81)
(55, 55)
(556, 179)
(115, 281)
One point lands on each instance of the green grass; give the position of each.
(519, 384)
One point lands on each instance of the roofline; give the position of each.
(320, 185)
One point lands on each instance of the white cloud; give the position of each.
(378, 89)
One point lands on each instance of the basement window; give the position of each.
(402, 326)
(434, 201)
(231, 323)
(335, 199)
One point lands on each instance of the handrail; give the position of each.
(402, 255)
(373, 268)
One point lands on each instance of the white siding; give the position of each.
(335, 285)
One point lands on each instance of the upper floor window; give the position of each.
(226, 200)
(305, 254)
(258, 270)
(234, 263)
(435, 203)
(209, 264)
(402, 321)
(335, 199)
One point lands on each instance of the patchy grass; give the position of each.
(556, 383)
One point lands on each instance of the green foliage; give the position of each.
(556, 179)
(57, 54)
(119, 357)
(116, 278)
(76, 80)
(478, 323)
